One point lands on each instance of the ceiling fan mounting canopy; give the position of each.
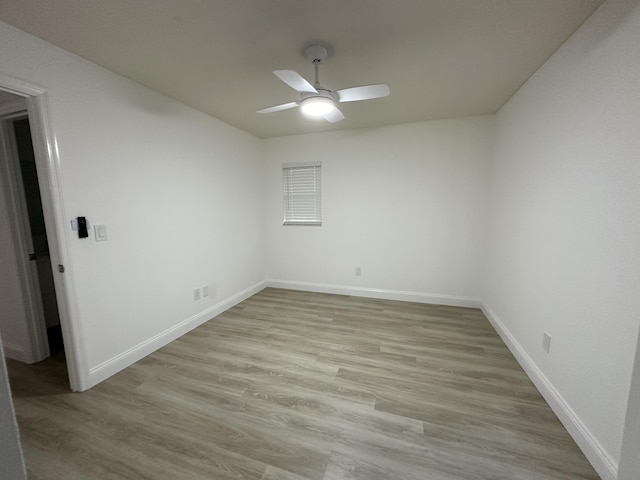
(316, 100)
(317, 52)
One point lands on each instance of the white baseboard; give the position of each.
(434, 298)
(15, 352)
(602, 462)
(121, 361)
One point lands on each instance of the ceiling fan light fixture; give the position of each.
(317, 106)
(317, 101)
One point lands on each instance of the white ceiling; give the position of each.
(441, 58)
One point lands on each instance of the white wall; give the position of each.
(564, 236)
(10, 450)
(180, 193)
(405, 203)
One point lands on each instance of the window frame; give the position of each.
(311, 213)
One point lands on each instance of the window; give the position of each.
(301, 185)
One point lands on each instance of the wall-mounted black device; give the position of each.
(82, 227)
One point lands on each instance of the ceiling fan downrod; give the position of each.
(316, 54)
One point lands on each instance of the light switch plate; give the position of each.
(100, 232)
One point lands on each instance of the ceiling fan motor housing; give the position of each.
(322, 92)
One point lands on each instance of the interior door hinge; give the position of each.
(61, 268)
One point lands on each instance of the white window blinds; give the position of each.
(302, 199)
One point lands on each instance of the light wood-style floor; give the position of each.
(304, 386)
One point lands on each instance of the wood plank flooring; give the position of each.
(303, 386)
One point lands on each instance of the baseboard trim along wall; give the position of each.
(112, 366)
(14, 352)
(417, 297)
(606, 467)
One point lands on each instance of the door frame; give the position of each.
(38, 348)
(46, 153)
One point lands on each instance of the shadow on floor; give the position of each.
(48, 377)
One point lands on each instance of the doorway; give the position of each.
(26, 308)
(31, 319)
(21, 146)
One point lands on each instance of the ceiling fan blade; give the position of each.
(365, 92)
(277, 108)
(333, 116)
(294, 80)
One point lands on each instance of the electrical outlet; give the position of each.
(358, 272)
(205, 291)
(196, 294)
(546, 342)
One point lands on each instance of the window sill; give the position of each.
(302, 224)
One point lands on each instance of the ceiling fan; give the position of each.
(316, 100)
